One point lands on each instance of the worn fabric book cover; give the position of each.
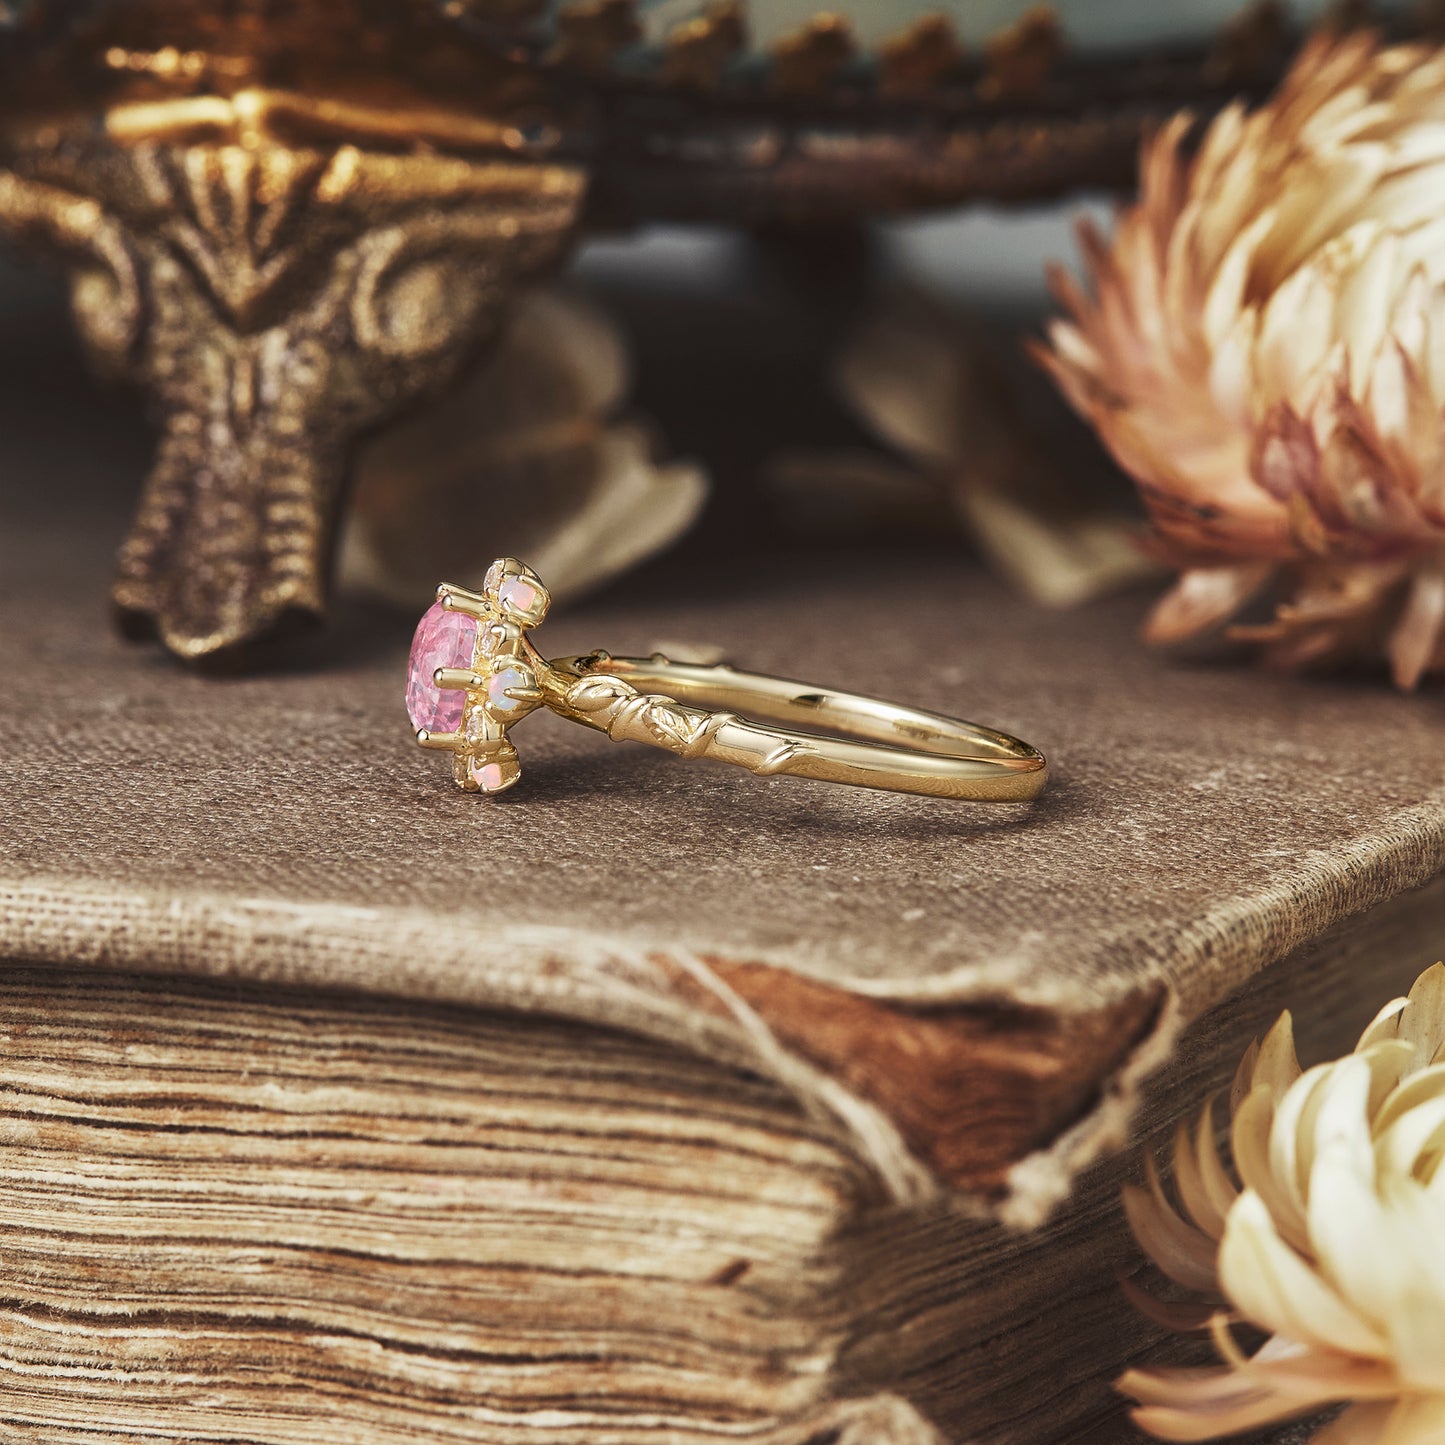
(649, 1102)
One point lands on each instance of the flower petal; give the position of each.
(1385, 1024)
(1423, 1023)
(1416, 1420)
(1278, 1065)
(1184, 1253)
(1277, 1290)
(1203, 598)
(1264, 351)
(1417, 636)
(1249, 1141)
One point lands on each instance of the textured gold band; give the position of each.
(768, 725)
(722, 714)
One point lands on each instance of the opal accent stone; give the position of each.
(443, 639)
(499, 682)
(488, 777)
(517, 595)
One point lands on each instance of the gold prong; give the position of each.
(458, 679)
(507, 782)
(440, 742)
(451, 589)
(462, 773)
(458, 599)
(525, 694)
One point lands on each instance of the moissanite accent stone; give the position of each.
(443, 639)
(481, 728)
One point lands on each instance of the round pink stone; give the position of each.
(443, 639)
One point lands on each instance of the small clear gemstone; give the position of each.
(443, 639)
(480, 727)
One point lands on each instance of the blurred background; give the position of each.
(732, 347)
(1087, 24)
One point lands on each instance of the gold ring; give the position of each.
(474, 674)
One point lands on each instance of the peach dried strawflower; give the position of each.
(1335, 1248)
(1265, 352)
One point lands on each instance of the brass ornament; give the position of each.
(590, 33)
(700, 49)
(1022, 57)
(277, 302)
(920, 58)
(807, 61)
(1254, 41)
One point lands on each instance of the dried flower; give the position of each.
(1265, 353)
(931, 390)
(1335, 1247)
(532, 453)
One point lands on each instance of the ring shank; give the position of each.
(776, 725)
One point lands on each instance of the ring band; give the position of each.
(475, 673)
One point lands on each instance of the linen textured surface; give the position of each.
(1201, 823)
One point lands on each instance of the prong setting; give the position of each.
(458, 679)
(500, 686)
(459, 599)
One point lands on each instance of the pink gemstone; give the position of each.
(488, 776)
(443, 639)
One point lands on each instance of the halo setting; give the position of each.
(473, 673)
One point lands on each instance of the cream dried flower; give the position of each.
(531, 449)
(1335, 1247)
(1264, 352)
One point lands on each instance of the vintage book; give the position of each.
(649, 1103)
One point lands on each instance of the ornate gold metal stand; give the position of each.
(277, 299)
